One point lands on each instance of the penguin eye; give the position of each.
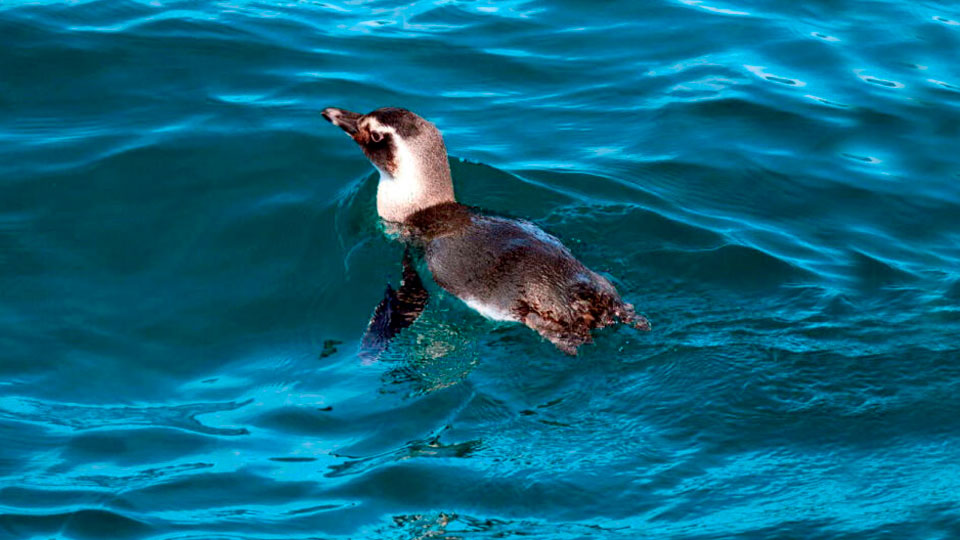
(376, 136)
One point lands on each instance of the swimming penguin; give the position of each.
(506, 269)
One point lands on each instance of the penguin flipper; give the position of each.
(398, 310)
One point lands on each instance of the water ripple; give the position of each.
(77, 417)
(189, 256)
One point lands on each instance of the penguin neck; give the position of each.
(411, 189)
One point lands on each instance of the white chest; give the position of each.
(489, 311)
(397, 197)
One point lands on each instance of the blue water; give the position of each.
(189, 256)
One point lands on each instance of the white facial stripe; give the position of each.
(371, 124)
(402, 193)
(412, 182)
(407, 177)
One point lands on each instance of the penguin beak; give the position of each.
(343, 119)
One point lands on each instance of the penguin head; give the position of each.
(409, 153)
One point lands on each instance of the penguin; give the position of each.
(505, 269)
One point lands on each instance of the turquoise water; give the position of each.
(189, 256)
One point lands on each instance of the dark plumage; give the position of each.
(398, 310)
(511, 270)
(506, 269)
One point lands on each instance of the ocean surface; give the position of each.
(190, 254)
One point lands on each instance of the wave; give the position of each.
(189, 255)
(76, 417)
